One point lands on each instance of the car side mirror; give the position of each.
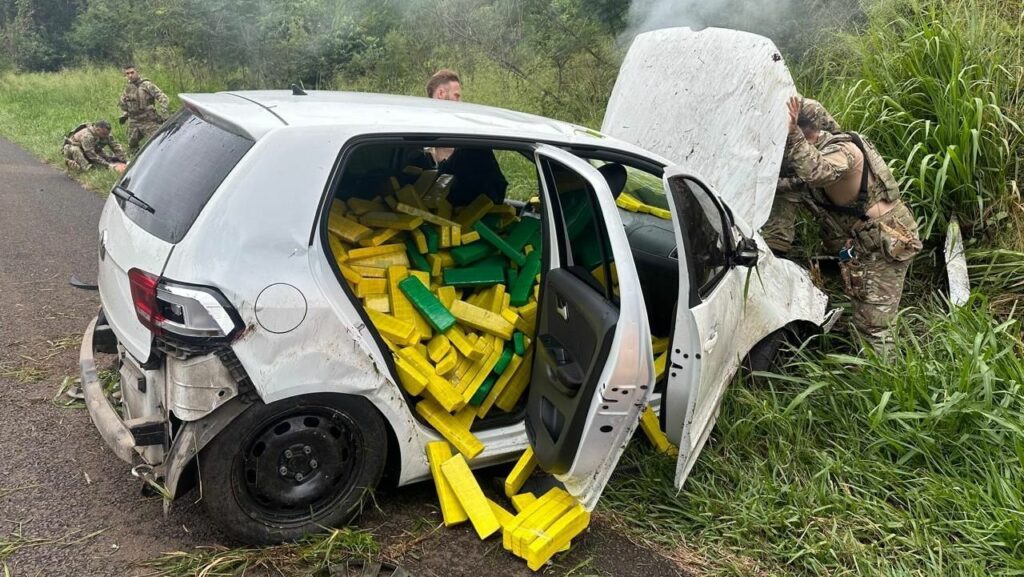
(746, 253)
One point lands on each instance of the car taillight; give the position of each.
(169, 308)
(144, 298)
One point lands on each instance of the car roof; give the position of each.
(257, 112)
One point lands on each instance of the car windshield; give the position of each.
(178, 172)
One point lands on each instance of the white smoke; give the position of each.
(790, 23)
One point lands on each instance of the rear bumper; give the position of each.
(112, 428)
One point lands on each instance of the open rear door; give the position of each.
(713, 101)
(593, 371)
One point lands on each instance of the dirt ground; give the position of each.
(74, 507)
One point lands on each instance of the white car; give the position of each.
(246, 361)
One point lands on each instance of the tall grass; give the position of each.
(907, 465)
(936, 85)
(38, 110)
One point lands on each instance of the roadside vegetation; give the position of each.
(839, 462)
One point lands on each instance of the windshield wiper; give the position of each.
(129, 196)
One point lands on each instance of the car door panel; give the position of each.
(593, 370)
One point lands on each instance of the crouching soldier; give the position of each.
(792, 194)
(850, 180)
(144, 106)
(84, 147)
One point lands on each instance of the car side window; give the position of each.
(704, 231)
(585, 249)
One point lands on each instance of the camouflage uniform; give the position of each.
(834, 167)
(145, 108)
(791, 192)
(83, 147)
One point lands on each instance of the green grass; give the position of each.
(937, 86)
(40, 109)
(847, 465)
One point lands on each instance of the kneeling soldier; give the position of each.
(83, 147)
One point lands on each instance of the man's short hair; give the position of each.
(439, 79)
(102, 124)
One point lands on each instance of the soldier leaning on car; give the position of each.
(84, 147)
(792, 194)
(851, 181)
(144, 106)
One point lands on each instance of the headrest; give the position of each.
(615, 175)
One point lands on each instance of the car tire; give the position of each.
(293, 467)
(764, 354)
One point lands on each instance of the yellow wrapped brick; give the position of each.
(420, 240)
(390, 220)
(347, 230)
(470, 496)
(380, 237)
(449, 428)
(382, 261)
(482, 319)
(407, 196)
(438, 347)
(371, 286)
(437, 388)
(499, 386)
(357, 254)
(350, 274)
(394, 329)
(368, 271)
(451, 511)
(509, 396)
(359, 207)
(412, 380)
(524, 467)
(448, 363)
(379, 303)
(426, 215)
(474, 212)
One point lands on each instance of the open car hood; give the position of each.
(712, 101)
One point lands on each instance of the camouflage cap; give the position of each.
(818, 115)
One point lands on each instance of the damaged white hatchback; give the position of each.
(248, 362)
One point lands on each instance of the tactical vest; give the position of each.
(70, 138)
(137, 100)
(884, 186)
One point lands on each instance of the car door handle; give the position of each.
(562, 308)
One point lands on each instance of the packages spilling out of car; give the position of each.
(309, 294)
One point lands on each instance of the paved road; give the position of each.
(59, 483)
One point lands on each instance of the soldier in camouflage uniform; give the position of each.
(144, 106)
(83, 147)
(791, 194)
(851, 181)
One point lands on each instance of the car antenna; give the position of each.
(297, 90)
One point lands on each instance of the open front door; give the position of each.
(593, 370)
(709, 339)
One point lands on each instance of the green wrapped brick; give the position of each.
(470, 253)
(491, 237)
(519, 343)
(503, 361)
(493, 221)
(476, 276)
(427, 304)
(418, 260)
(433, 238)
(520, 292)
(484, 389)
(522, 232)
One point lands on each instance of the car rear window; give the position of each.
(177, 173)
